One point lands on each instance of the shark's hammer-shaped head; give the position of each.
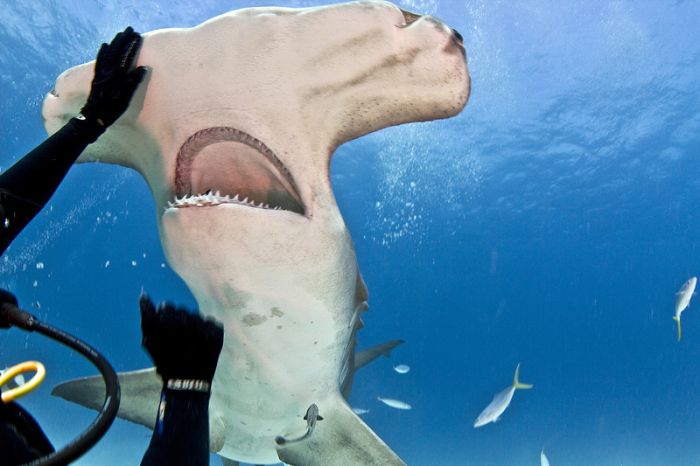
(233, 130)
(238, 119)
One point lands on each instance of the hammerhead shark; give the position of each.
(233, 129)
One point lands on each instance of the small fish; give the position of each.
(360, 411)
(500, 402)
(683, 300)
(311, 418)
(402, 368)
(394, 403)
(543, 459)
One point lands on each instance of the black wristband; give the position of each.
(192, 385)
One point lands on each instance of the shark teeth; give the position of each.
(213, 199)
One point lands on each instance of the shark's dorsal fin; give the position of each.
(341, 439)
(140, 394)
(367, 356)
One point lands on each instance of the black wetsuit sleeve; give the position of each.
(181, 435)
(27, 186)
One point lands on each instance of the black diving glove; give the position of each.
(115, 82)
(184, 347)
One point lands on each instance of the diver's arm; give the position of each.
(181, 436)
(27, 186)
(185, 349)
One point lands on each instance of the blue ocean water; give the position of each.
(549, 224)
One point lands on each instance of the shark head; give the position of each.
(233, 130)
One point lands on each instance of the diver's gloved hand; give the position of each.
(183, 346)
(9, 298)
(115, 82)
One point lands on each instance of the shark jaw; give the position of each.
(224, 165)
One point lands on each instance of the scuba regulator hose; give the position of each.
(11, 315)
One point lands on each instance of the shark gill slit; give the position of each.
(250, 156)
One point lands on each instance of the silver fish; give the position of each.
(683, 300)
(500, 402)
(395, 403)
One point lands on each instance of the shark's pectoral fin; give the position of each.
(340, 439)
(140, 394)
(367, 356)
(139, 401)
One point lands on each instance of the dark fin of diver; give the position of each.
(140, 394)
(367, 356)
(341, 439)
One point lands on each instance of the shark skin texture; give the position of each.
(233, 129)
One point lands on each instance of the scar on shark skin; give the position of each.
(251, 319)
(224, 165)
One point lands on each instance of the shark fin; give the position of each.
(367, 356)
(361, 359)
(140, 394)
(678, 321)
(517, 383)
(341, 439)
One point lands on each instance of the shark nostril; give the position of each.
(458, 36)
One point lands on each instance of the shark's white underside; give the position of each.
(254, 103)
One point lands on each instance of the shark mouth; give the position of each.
(224, 165)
